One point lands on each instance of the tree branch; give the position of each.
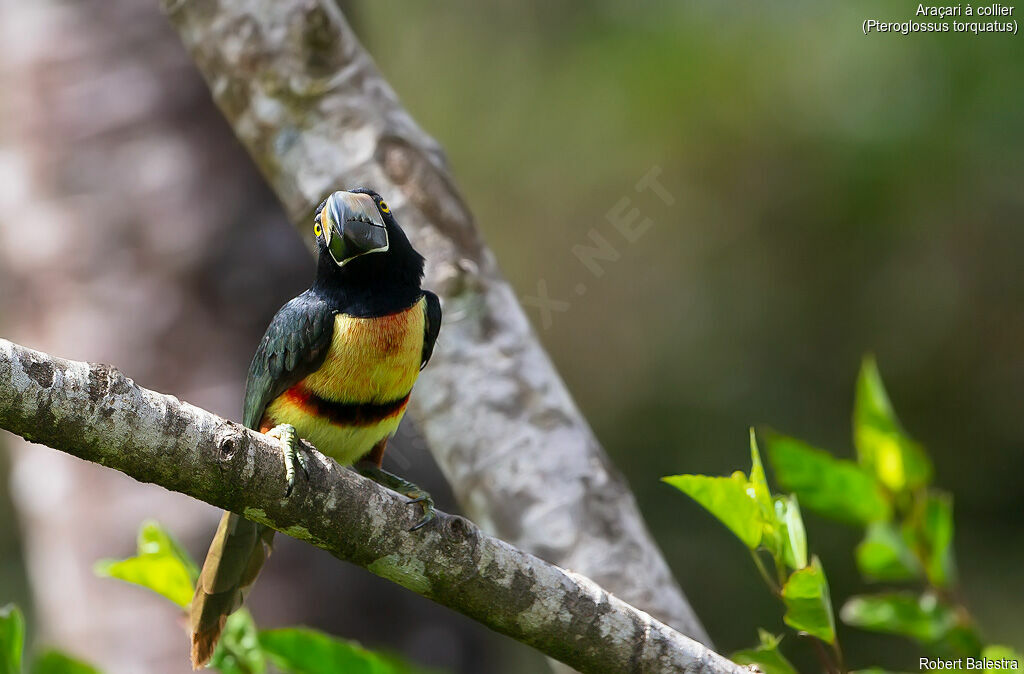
(308, 103)
(96, 413)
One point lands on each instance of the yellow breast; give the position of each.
(358, 396)
(371, 360)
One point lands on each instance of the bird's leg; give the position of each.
(403, 487)
(292, 454)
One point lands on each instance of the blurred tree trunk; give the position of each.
(122, 193)
(126, 205)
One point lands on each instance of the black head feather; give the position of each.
(375, 284)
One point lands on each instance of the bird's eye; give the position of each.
(317, 229)
(383, 207)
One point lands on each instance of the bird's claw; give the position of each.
(292, 454)
(429, 513)
(403, 487)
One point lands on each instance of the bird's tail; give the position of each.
(236, 555)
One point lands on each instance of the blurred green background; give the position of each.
(832, 194)
(835, 193)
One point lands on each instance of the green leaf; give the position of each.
(758, 481)
(833, 487)
(766, 656)
(961, 641)
(160, 565)
(1000, 659)
(883, 447)
(808, 605)
(12, 639)
(924, 619)
(731, 499)
(55, 662)
(238, 651)
(306, 651)
(794, 536)
(883, 555)
(154, 539)
(773, 532)
(936, 538)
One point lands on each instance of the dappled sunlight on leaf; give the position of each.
(882, 446)
(161, 565)
(794, 535)
(730, 499)
(832, 487)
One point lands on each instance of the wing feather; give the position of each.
(294, 346)
(432, 326)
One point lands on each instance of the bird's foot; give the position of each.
(292, 453)
(403, 487)
(417, 495)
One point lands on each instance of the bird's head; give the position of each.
(351, 224)
(358, 237)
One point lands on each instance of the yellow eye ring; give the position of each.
(383, 207)
(316, 228)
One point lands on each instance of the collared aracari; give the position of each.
(335, 367)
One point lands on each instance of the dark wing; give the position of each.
(294, 346)
(431, 327)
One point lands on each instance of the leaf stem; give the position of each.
(780, 571)
(826, 661)
(775, 588)
(839, 655)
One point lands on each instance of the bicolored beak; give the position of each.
(353, 226)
